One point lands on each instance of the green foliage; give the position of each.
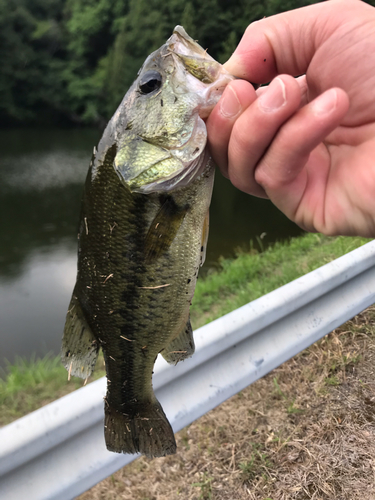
(73, 60)
(278, 392)
(332, 380)
(277, 6)
(28, 384)
(291, 409)
(32, 48)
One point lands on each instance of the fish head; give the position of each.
(159, 126)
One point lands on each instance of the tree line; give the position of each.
(71, 61)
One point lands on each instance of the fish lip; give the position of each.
(190, 45)
(182, 47)
(213, 94)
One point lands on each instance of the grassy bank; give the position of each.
(253, 274)
(29, 385)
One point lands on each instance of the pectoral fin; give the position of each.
(163, 229)
(79, 349)
(181, 347)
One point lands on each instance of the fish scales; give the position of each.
(142, 239)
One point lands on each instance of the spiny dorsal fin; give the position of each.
(163, 228)
(79, 348)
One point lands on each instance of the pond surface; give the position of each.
(41, 179)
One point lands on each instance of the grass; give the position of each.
(30, 384)
(252, 274)
(205, 487)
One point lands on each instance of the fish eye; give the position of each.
(150, 81)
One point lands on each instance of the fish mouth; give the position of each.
(206, 77)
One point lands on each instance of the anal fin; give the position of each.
(79, 348)
(181, 347)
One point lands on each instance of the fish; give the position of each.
(142, 239)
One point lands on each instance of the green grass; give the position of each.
(27, 385)
(205, 486)
(252, 274)
(29, 375)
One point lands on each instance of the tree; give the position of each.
(31, 55)
(73, 60)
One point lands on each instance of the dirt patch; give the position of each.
(305, 431)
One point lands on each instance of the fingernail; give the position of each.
(274, 97)
(325, 103)
(235, 66)
(229, 104)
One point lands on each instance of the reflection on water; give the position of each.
(33, 305)
(41, 178)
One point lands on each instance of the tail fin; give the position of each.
(145, 431)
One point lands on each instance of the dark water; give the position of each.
(41, 177)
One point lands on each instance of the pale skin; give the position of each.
(306, 143)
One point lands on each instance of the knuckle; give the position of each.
(242, 137)
(239, 181)
(263, 178)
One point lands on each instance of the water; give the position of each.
(41, 178)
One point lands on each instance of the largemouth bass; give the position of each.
(142, 238)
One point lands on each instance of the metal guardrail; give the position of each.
(58, 451)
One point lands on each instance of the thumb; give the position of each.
(287, 42)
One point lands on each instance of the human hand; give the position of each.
(307, 143)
